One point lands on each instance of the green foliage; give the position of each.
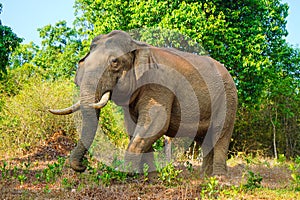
(24, 119)
(281, 158)
(22, 178)
(210, 188)
(52, 172)
(9, 41)
(106, 174)
(58, 55)
(169, 175)
(60, 50)
(146, 171)
(112, 124)
(4, 169)
(253, 180)
(295, 169)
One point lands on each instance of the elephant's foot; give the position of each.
(152, 176)
(219, 170)
(77, 158)
(77, 165)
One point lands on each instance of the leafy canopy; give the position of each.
(8, 43)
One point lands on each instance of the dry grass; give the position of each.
(276, 182)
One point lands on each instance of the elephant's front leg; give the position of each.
(152, 123)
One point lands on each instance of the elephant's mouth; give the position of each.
(75, 107)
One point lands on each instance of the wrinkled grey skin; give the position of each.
(163, 92)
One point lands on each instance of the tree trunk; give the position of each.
(274, 134)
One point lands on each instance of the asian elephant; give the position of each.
(163, 91)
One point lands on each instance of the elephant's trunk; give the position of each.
(90, 117)
(66, 111)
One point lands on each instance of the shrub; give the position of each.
(295, 173)
(24, 119)
(169, 175)
(253, 180)
(112, 124)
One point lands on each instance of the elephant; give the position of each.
(163, 92)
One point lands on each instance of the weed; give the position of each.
(146, 172)
(52, 172)
(26, 166)
(47, 189)
(67, 184)
(210, 188)
(189, 166)
(169, 175)
(15, 171)
(250, 159)
(253, 181)
(22, 178)
(232, 191)
(4, 170)
(281, 158)
(106, 174)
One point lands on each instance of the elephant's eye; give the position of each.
(114, 60)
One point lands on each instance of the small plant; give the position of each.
(52, 172)
(22, 178)
(4, 170)
(67, 184)
(281, 158)
(26, 166)
(169, 175)
(210, 188)
(189, 166)
(253, 180)
(295, 169)
(47, 189)
(146, 172)
(15, 171)
(250, 159)
(108, 174)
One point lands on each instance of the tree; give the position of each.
(58, 55)
(60, 50)
(8, 43)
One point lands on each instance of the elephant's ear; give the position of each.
(143, 62)
(80, 70)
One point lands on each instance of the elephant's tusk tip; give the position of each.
(51, 111)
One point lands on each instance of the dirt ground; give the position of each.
(276, 179)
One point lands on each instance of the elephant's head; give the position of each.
(110, 69)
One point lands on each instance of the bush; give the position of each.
(24, 119)
(295, 169)
(112, 124)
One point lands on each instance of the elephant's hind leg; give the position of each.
(221, 152)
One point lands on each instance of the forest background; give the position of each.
(247, 36)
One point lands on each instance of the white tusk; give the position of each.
(66, 111)
(103, 101)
